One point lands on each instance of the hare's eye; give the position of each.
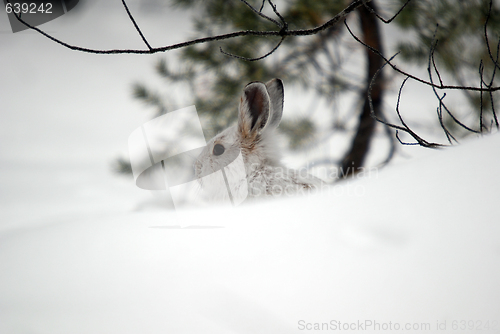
(218, 149)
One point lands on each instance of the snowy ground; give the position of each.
(84, 251)
(417, 245)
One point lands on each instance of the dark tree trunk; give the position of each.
(355, 156)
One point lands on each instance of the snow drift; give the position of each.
(415, 247)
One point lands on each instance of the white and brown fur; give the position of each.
(260, 111)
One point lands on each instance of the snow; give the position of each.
(85, 251)
(416, 244)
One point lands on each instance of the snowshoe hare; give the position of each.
(253, 138)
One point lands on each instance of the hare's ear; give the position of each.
(276, 95)
(254, 109)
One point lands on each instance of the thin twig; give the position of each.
(439, 109)
(262, 6)
(481, 69)
(433, 49)
(442, 105)
(492, 101)
(136, 26)
(392, 149)
(371, 10)
(284, 24)
(395, 68)
(254, 59)
(495, 62)
(405, 128)
(259, 12)
(404, 143)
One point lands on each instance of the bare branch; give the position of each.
(262, 6)
(283, 32)
(404, 143)
(395, 68)
(481, 69)
(491, 84)
(495, 61)
(392, 149)
(135, 25)
(258, 58)
(442, 105)
(259, 12)
(439, 109)
(371, 10)
(284, 24)
(431, 57)
(405, 128)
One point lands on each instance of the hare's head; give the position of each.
(260, 111)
